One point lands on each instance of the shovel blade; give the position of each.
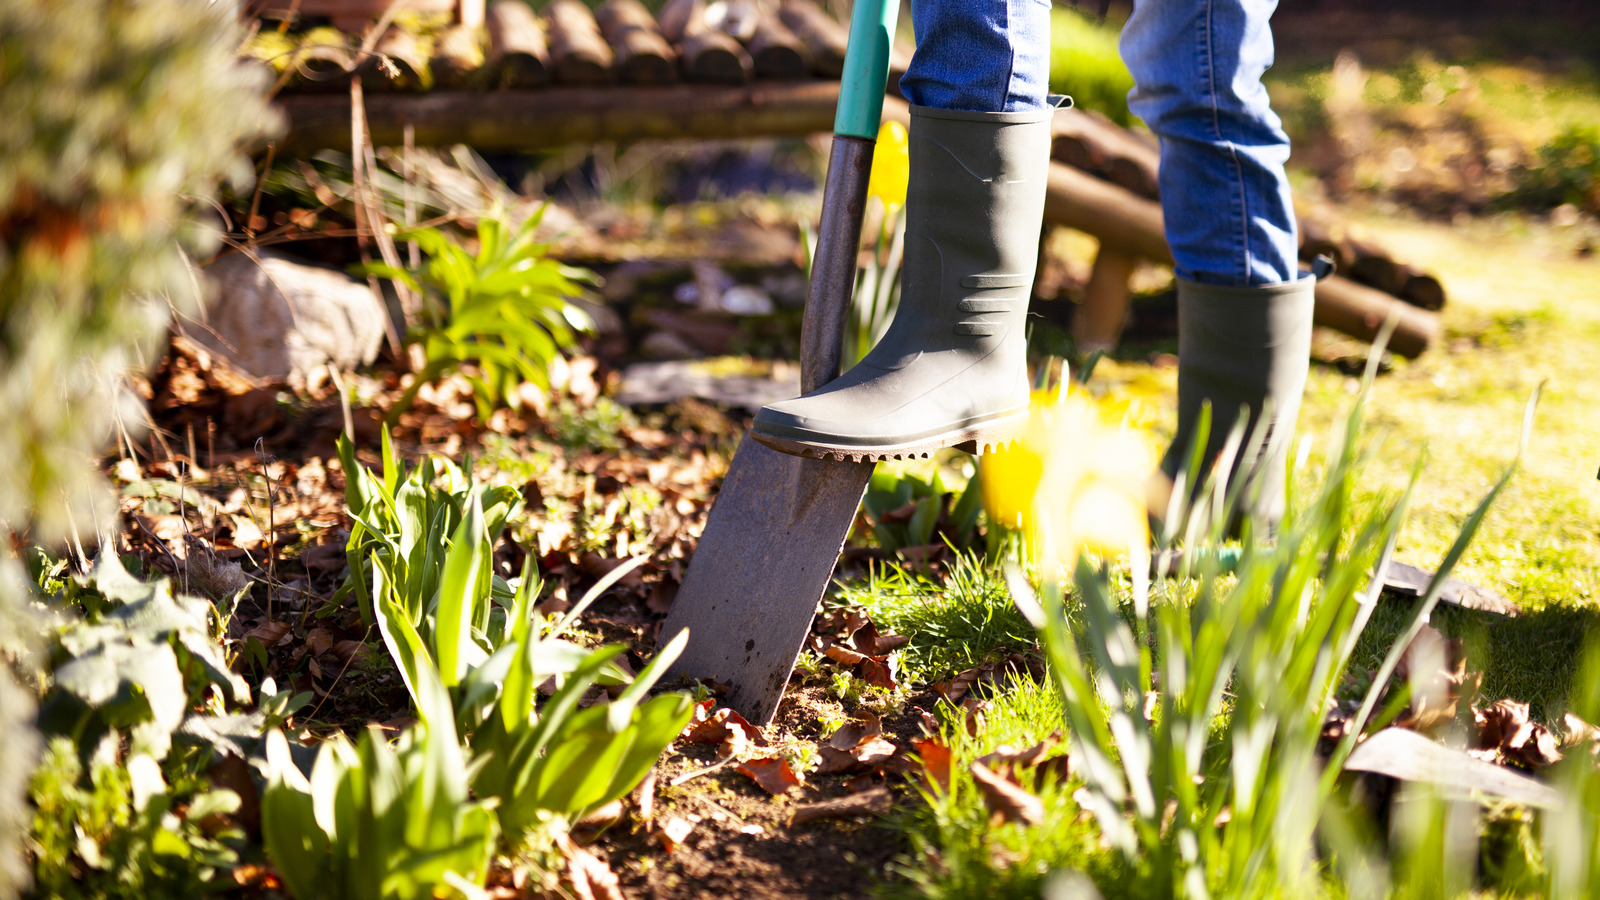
(764, 561)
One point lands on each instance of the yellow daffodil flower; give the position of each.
(891, 166)
(1077, 480)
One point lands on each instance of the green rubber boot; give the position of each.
(1243, 349)
(950, 369)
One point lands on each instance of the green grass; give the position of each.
(966, 620)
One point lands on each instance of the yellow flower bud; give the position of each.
(891, 165)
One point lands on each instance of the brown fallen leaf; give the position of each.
(874, 802)
(935, 769)
(346, 650)
(1006, 801)
(1010, 762)
(319, 641)
(728, 728)
(1579, 732)
(974, 718)
(774, 775)
(1510, 737)
(589, 876)
(270, 634)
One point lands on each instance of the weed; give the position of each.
(506, 310)
(598, 427)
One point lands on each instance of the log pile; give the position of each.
(721, 70)
(1095, 144)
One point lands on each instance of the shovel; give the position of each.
(780, 521)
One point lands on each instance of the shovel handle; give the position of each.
(844, 194)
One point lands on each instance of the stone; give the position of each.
(279, 319)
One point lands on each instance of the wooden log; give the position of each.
(457, 58)
(518, 53)
(1134, 224)
(397, 63)
(498, 120)
(1320, 238)
(712, 57)
(777, 53)
(824, 35)
(642, 55)
(579, 55)
(1097, 324)
(1423, 290)
(1094, 143)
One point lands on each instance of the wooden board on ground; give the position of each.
(1408, 756)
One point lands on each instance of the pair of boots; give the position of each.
(951, 368)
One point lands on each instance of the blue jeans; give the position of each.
(1197, 66)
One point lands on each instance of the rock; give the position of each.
(664, 382)
(275, 318)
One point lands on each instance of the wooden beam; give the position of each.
(524, 120)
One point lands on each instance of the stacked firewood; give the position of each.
(565, 43)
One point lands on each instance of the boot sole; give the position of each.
(984, 437)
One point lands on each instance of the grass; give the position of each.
(953, 626)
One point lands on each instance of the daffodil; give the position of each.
(891, 166)
(1077, 480)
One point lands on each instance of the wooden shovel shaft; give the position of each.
(833, 265)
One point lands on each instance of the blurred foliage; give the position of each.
(1086, 64)
(120, 119)
(1568, 170)
(104, 836)
(138, 702)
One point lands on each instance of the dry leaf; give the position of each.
(875, 802)
(935, 770)
(1006, 801)
(774, 775)
(270, 634)
(347, 650)
(590, 877)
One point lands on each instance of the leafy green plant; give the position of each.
(139, 661)
(907, 510)
(538, 763)
(1568, 170)
(375, 821)
(406, 521)
(505, 309)
(106, 835)
(549, 765)
(1219, 788)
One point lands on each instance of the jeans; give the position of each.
(1197, 67)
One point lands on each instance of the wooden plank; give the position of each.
(1408, 756)
(521, 120)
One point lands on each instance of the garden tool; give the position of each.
(780, 521)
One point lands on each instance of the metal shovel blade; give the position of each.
(779, 522)
(764, 561)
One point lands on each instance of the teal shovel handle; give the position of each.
(866, 68)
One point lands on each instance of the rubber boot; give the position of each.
(1244, 350)
(950, 369)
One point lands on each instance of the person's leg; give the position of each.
(951, 368)
(1197, 67)
(1244, 310)
(980, 55)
